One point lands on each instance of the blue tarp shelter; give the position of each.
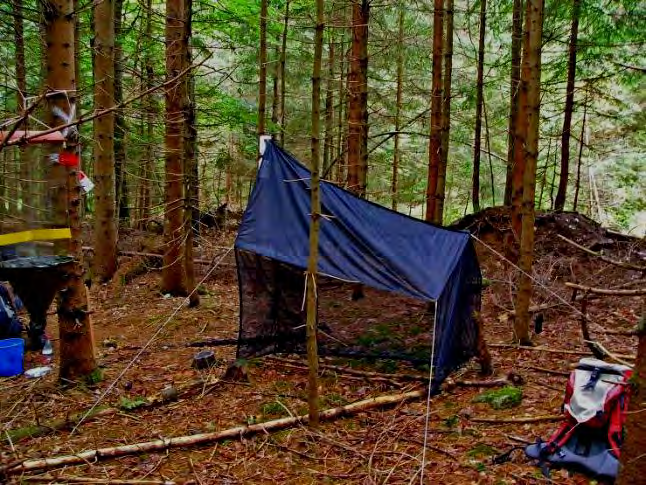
(360, 242)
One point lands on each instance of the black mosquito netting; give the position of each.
(405, 263)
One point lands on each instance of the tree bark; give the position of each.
(105, 231)
(328, 147)
(191, 178)
(283, 60)
(21, 94)
(633, 451)
(475, 183)
(398, 101)
(173, 272)
(561, 193)
(149, 108)
(77, 358)
(435, 142)
(577, 185)
(275, 85)
(120, 128)
(312, 262)
(357, 165)
(530, 85)
(519, 150)
(446, 113)
(262, 80)
(516, 44)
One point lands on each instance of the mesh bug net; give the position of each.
(422, 283)
(34, 226)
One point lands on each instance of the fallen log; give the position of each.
(529, 419)
(203, 438)
(602, 257)
(605, 291)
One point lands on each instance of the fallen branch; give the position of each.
(621, 264)
(555, 351)
(530, 419)
(150, 255)
(199, 439)
(548, 371)
(110, 481)
(605, 291)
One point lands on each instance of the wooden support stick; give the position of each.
(199, 439)
(605, 291)
(621, 264)
(530, 419)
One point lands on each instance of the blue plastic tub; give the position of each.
(11, 353)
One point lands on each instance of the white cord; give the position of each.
(143, 349)
(428, 396)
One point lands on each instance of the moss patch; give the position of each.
(505, 398)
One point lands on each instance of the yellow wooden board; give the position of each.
(35, 235)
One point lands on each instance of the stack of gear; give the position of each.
(589, 439)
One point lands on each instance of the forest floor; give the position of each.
(377, 446)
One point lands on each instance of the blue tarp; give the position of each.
(363, 242)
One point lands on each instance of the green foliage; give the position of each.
(129, 404)
(273, 408)
(482, 450)
(505, 398)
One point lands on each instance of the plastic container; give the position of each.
(12, 351)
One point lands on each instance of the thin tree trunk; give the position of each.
(21, 82)
(283, 60)
(487, 134)
(120, 128)
(516, 45)
(446, 113)
(312, 263)
(173, 272)
(544, 177)
(149, 103)
(475, 183)
(105, 231)
(358, 100)
(328, 147)
(435, 142)
(342, 127)
(578, 167)
(398, 101)
(77, 358)
(191, 177)
(530, 85)
(561, 194)
(274, 83)
(633, 451)
(262, 80)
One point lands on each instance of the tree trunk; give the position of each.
(544, 176)
(328, 147)
(561, 194)
(398, 101)
(475, 184)
(21, 94)
(312, 263)
(283, 60)
(105, 233)
(262, 81)
(446, 113)
(435, 142)
(275, 82)
(358, 100)
(516, 44)
(120, 128)
(77, 358)
(488, 138)
(173, 272)
(342, 127)
(149, 108)
(530, 85)
(578, 167)
(191, 178)
(634, 449)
